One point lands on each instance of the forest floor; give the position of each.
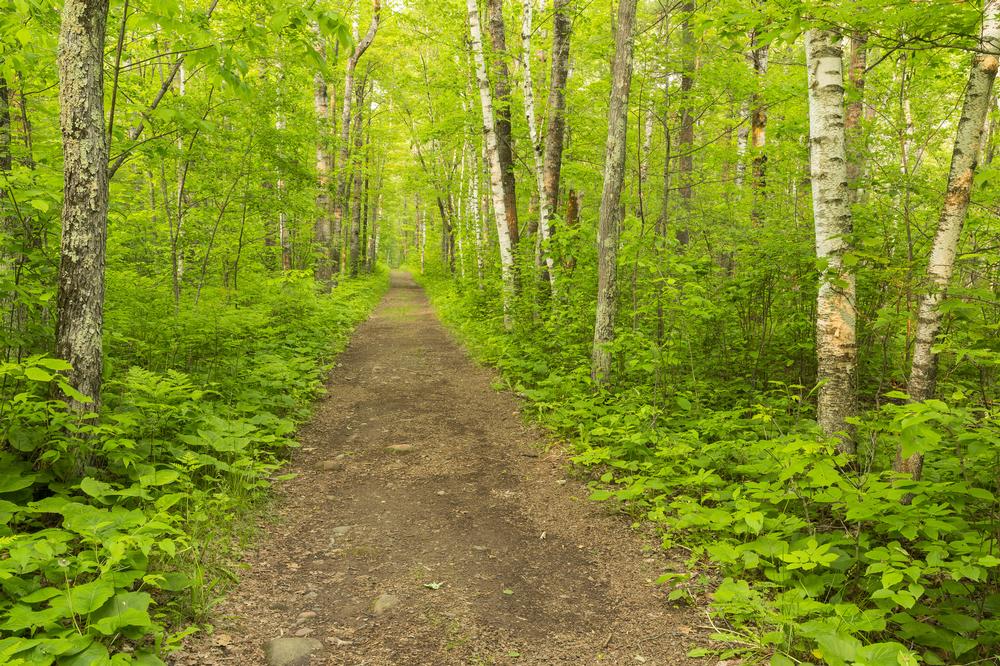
(428, 524)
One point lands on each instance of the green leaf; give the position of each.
(54, 364)
(84, 599)
(95, 655)
(126, 609)
(37, 374)
(160, 477)
(95, 488)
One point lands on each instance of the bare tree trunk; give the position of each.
(758, 128)
(477, 218)
(855, 112)
(345, 133)
(358, 168)
(6, 162)
(968, 136)
(493, 157)
(556, 127)
(836, 346)
(373, 226)
(544, 210)
(614, 172)
(321, 230)
(742, 142)
(685, 138)
(8, 224)
(556, 122)
(501, 96)
(80, 302)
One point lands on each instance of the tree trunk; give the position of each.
(85, 196)
(855, 112)
(836, 346)
(742, 142)
(357, 187)
(556, 127)
(501, 93)
(493, 157)
(614, 173)
(685, 137)
(321, 230)
(544, 211)
(758, 127)
(345, 134)
(968, 136)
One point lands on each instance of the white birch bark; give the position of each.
(340, 196)
(836, 343)
(477, 220)
(941, 264)
(742, 141)
(493, 157)
(614, 172)
(321, 229)
(536, 144)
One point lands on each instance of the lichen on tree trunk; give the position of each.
(614, 172)
(85, 196)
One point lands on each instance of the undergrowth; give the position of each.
(117, 565)
(812, 557)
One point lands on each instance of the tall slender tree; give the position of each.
(340, 196)
(502, 101)
(608, 229)
(492, 150)
(941, 264)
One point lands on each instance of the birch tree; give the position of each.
(80, 327)
(941, 264)
(492, 150)
(536, 144)
(758, 127)
(501, 91)
(321, 231)
(685, 138)
(614, 173)
(835, 306)
(556, 108)
(340, 196)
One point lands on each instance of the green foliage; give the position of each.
(109, 565)
(810, 555)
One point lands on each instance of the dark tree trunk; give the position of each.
(501, 101)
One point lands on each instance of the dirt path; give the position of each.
(527, 570)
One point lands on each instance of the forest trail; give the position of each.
(530, 571)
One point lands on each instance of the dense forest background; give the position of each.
(742, 256)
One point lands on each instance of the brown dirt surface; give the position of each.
(491, 553)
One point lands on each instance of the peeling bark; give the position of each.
(836, 336)
(940, 266)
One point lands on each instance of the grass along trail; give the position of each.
(427, 525)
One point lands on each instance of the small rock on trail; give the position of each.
(291, 651)
(385, 603)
